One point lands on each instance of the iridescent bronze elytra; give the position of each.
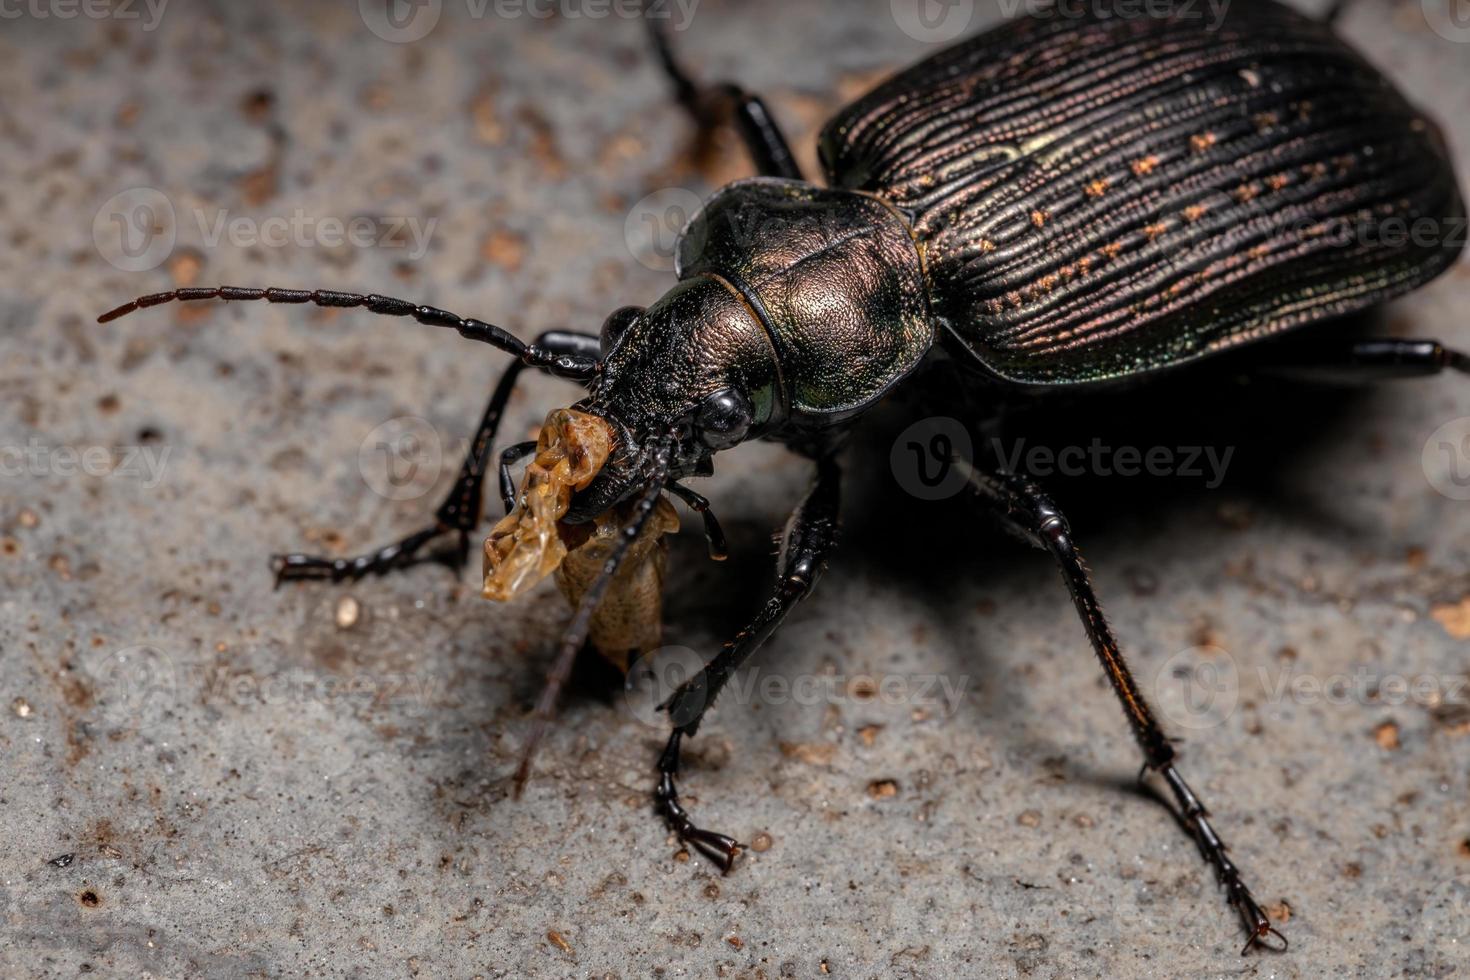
(1068, 200)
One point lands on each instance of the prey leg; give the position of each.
(460, 512)
(708, 104)
(1028, 512)
(809, 538)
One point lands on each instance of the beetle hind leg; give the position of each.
(1030, 513)
(461, 510)
(1377, 359)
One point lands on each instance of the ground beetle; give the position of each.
(1067, 200)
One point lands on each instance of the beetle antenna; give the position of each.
(576, 634)
(561, 365)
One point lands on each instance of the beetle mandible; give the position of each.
(1061, 202)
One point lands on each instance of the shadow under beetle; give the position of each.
(1063, 201)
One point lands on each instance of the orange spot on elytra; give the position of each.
(1202, 141)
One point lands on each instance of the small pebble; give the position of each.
(348, 611)
(1387, 735)
(21, 707)
(882, 789)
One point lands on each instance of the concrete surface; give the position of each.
(202, 776)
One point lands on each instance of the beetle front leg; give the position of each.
(808, 540)
(1030, 513)
(460, 512)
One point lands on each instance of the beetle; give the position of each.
(1065, 202)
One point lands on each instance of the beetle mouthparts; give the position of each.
(526, 546)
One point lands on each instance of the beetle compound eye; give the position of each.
(617, 322)
(723, 419)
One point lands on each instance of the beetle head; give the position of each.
(697, 364)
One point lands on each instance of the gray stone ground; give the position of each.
(271, 783)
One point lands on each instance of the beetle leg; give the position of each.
(1029, 512)
(706, 103)
(810, 535)
(1366, 360)
(460, 511)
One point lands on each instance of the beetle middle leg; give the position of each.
(461, 510)
(1025, 510)
(758, 128)
(809, 538)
